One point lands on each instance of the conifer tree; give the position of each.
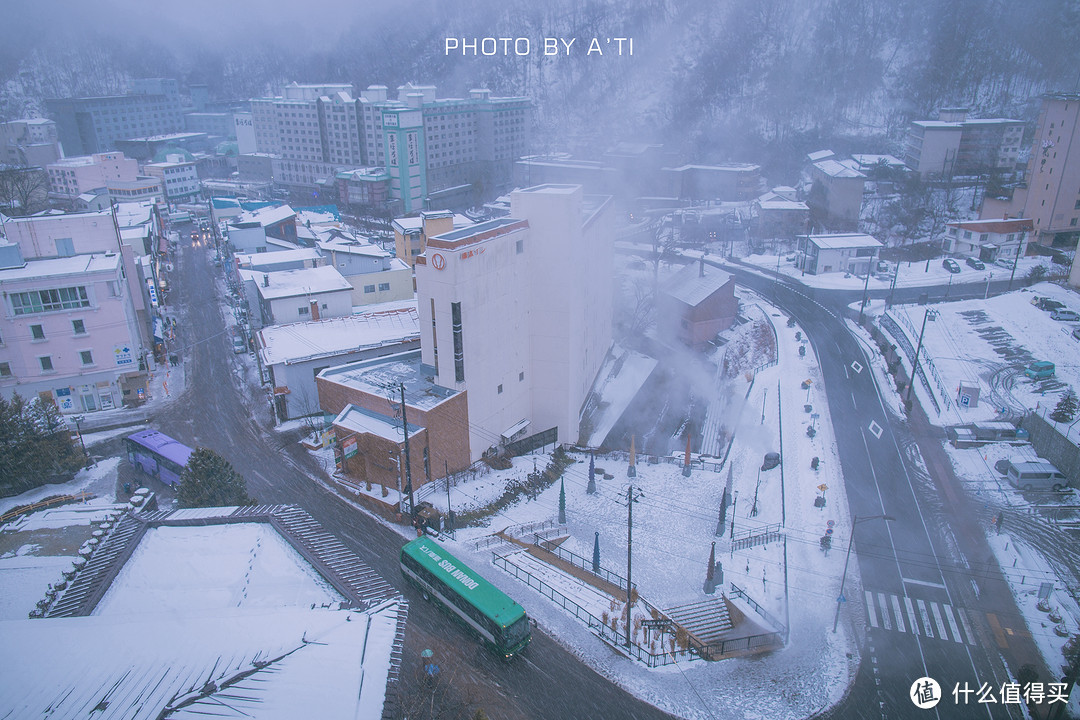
(1066, 408)
(208, 480)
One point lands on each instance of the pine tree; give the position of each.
(208, 480)
(591, 489)
(562, 501)
(1066, 408)
(35, 444)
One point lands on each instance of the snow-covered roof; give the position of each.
(349, 248)
(939, 124)
(819, 155)
(781, 204)
(298, 342)
(55, 267)
(692, 287)
(870, 160)
(374, 376)
(1002, 226)
(256, 260)
(294, 283)
(835, 169)
(838, 241)
(265, 216)
(204, 621)
(366, 422)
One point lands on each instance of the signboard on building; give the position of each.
(412, 142)
(153, 291)
(65, 400)
(391, 150)
(968, 396)
(123, 355)
(348, 447)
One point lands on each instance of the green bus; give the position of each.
(482, 607)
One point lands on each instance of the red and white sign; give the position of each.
(438, 261)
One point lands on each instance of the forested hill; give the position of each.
(720, 78)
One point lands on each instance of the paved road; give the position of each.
(932, 600)
(220, 411)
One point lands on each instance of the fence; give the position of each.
(595, 624)
(59, 499)
(695, 463)
(572, 557)
(927, 361)
(753, 538)
(739, 592)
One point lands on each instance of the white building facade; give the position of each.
(517, 312)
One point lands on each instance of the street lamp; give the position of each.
(928, 315)
(847, 558)
(77, 419)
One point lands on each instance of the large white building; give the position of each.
(73, 176)
(517, 312)
(178, 177)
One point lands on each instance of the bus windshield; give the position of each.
(516, 632)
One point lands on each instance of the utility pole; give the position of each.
(449, 510)
(408, 468)
(1016, 258)
(892, 286)
(631, 498)
(865, 289)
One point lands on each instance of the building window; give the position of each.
(5, 369)
(37, 332)
(65, 247)
(369, 288)
(1072, 223)
(521, 376)
(520, 246)
(46, 363)
(386, 286)
(459, 349)
(79, 327)
(302, 310)
(500, 389)
(87, 357)
(37, 301)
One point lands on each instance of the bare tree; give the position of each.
(23, 191)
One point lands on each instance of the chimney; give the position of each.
(701, 270)
(266, 280)
(1005, 216)
(314, 309)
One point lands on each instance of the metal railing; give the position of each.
(927, 361)
(58, 500)
(598, 626)
(739, 592)
(577, 560)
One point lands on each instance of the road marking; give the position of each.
(885, 622)
(876, 429)
(927, 627)
(995, 626)
(937, 621)
(922, 582)
(911, 615)
(853, 403)
(857, 366)
(952, 624)
(899, 615)
(870, 609)
(967, 627)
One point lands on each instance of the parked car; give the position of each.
(1039, 370)
(238, 345)
(1076, 333)
(976, 263)
(1044, 303)
(1037, 475)
(950, 265)
(1065, 315)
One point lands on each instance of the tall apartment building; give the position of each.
(72, 176)
(29, 143)
(956, 145)
(93, 124)
(427, 145)
(1050, 195)
(517, 312)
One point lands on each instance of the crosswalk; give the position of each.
(919, 617)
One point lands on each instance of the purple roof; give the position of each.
(163, 445)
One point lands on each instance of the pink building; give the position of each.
(68, 332)
(71, 177)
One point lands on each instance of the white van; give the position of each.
(1037, 475)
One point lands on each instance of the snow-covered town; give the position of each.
(675, 377)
